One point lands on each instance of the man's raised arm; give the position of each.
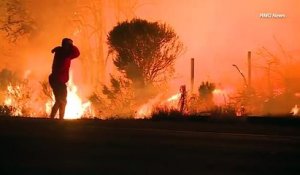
(75, 52)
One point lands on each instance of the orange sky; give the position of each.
(218, 33)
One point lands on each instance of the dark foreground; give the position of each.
(41, 146)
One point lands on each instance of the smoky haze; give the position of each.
(216, 33)
(220, 33)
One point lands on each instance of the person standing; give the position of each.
(60, 75)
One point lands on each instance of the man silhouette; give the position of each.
(60, 74)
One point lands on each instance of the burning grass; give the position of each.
(25, 98)
(163, 113)
(217, 113)
(34, 99)
(6, 110)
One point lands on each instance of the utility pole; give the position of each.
(192, 74)
(249, 70)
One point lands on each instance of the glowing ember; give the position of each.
(295, 110)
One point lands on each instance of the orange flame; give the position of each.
(174, 98)
(295, 110)
(146, 110)
(220, 96)
(9, 100)
(75, 108)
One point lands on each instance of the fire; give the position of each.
(220, 96)
(75, 108)
(8, 102)
(13, 91)
(146, 110)
(295, 110)
(174, 97)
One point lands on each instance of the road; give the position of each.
(41, 146)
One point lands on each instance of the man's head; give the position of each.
(67, 43)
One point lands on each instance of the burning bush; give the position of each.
(21, 97)
(11, 95)
(114, 100)
(18, 97)
(144, 53)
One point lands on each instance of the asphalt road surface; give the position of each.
(41, 146)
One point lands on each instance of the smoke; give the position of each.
(216, 33)
(219, 33)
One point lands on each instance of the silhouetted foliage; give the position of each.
(167, 114)
(116, 99)
(7, 77)
(144, 51)
(206, 90)
(115, 88)
(206, 95)
(16, 21)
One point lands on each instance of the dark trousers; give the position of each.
(60, 94)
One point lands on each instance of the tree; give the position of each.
(16, 21)
(90, 24)
(144, 51)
